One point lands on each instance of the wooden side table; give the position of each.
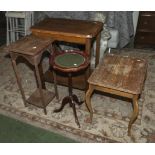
(118, 75)
(32, 48)
(73, 31)
(69, 62)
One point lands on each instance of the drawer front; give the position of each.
(145, 37)
(147, 13)
(147, 23)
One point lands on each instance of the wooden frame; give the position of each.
(118, 75)
(73, 31)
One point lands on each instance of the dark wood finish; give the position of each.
(73, 31)
(32, 48)
(72, 99)
(145, 34)
(118, 75)
(30, 45)
(78, 80)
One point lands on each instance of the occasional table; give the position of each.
(31, 48)
(119, 75)
(73, 31)
(69, 62)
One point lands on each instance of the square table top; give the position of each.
(29, 45)
(69, 27)
(122, 73)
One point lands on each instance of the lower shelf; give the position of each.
(35, 98)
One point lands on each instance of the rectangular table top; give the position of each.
(29, 45)
(69, 27)
(120, 73)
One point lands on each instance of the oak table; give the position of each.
(73, 31)
(119, 75)
(31, 48)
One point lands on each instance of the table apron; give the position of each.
(61, 37)
(113, 91)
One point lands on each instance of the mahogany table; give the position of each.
(119, 75)
(73, 31)
(69, 62)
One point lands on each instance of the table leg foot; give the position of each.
(45, 111)
(66, 100)
(88, 120)
(76, 100)
(25, 104)
(72, 101)
(75, 114)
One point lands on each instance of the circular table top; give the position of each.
(70, 61)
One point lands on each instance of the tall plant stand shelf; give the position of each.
(31, 48)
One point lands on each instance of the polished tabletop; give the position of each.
(69, 27)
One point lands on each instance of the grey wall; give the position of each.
(83, 15)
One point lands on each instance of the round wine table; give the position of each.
(69, 62)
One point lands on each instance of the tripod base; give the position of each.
(72, 100)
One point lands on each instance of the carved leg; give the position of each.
(76, 100)
(87, 74)
(74, 111)
(88, 102)
(135, 113)
(66, 100)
